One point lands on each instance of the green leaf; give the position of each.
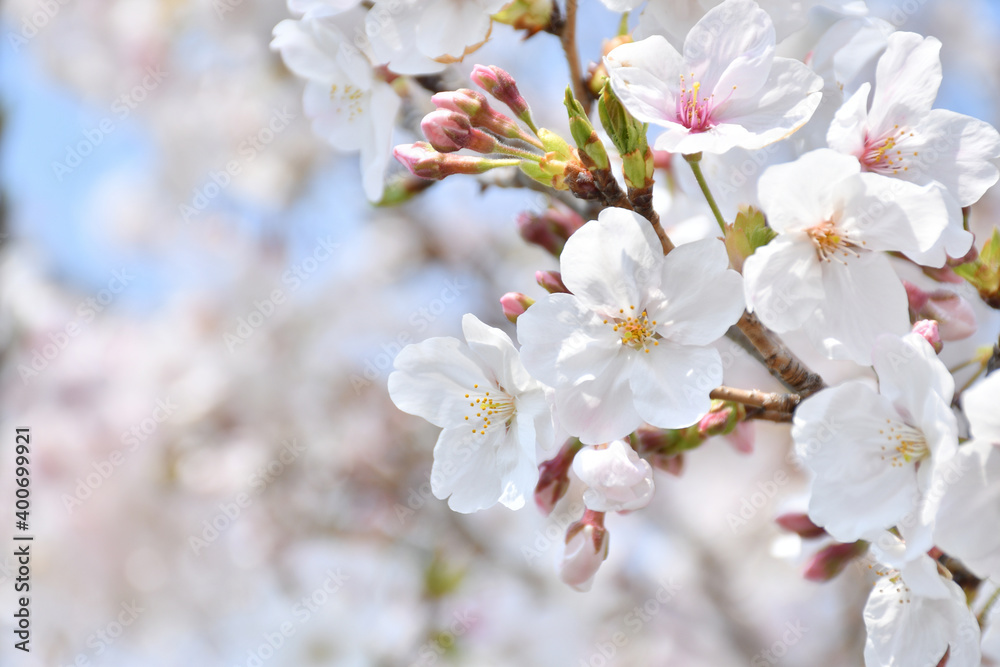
(747, 233)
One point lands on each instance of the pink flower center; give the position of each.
(831, 242)
(694, 111)
(884, 156)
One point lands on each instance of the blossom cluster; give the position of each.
(617, 369)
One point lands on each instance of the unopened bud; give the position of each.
(720, 421)
(928, 330)
(592, 150)
(586, 548)
(831, 561)
(672, 463)
(502, 86)
(629, 136)
(800, 524)
(551, 229)
(617, 479)
(553, 477)
(514, 304)
(449, 131)
(743, 436)
(597, 73)
(423, 161)
(955, 317)
(475, 105)
(530, 15)
(551, 282)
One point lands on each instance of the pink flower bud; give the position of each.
(463, 100)
(742, 437)
(672, 464)
(800, 524)
(586, 548)
(502, 86)
(514, 304)
(661, 159)
(551, 229)
(423, 161)
(449, 131)
(551, 281)
(955, 317)
(928, 330)
(617, 479)
(831, 561)
(553, 477)
(917, 297)
(715, 423)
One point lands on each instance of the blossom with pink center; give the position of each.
(726, 90)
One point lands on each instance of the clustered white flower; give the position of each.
(623, 350)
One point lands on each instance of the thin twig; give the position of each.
(642, 203)
(778, 359)
(568, 38)
(758, 399)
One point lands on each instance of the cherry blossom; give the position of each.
(900, 136)
(875, 456)
(492, 412)
(824, 272)
(630, 344)
(727, 89)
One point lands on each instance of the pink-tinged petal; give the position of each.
(599, 410)
(696, 274)
(864, 299)
(432, 378)
(785, 103)
(645, 76)
(958, 151)
(971, 502)
(981, 404)
(731, 47)
(671, 384)
(850, 124)
(796, 195)
(857, 490)
(784, 282)
(906, 629)
(893, 215)
(613, 262)
(564, 342)
(499, 357)
(907, 79)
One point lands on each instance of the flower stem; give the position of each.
(518, 152)
(694, 160)
(989, 605)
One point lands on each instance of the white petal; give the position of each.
(784, 282)
(907, 79)
(864, 299)
(645, 76)
(599, 410)
(500, 358)
(447, 27)
(377, 147)
(796, 195)
(704, 296)
(912, 377)
(303, 54)
(471, 469)
(980, 404)
(849, 127)
(970, 503)
(857, 490)
(564, 342)
(432, 378)
(785, 103)
(671, 384)
(617, 479)
(958, 151)
(732, 45)
(613, 262)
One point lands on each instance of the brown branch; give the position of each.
(568, 38)
(769, 401)
(778, 359)
(642, 202)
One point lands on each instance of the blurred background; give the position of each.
(219, 477)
